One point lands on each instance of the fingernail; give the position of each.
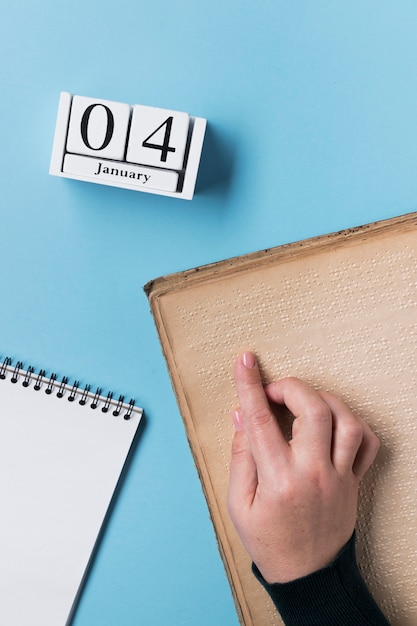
(237, 419)
(248, 360)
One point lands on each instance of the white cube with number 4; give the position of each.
(158, 137)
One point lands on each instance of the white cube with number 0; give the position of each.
(98, 128)
(158, 137)
(136, 147)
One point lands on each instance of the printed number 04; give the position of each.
(164, 147)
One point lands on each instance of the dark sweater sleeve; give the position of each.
(336, 594)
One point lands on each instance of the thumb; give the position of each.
(243, 480)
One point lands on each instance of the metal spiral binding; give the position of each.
(63, 389)
(16, 371)
(39, 380)
(49, 389)
(74, 391)
(30, 371)
(6, 363)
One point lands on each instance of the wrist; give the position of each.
(334, 594)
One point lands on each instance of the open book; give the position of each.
(338, 311)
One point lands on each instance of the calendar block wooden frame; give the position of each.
(187, 176)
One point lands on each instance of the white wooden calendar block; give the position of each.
(98, 128)
(135, 147)
(158, 137)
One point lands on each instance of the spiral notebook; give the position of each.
(63, 449)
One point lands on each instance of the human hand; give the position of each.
(294, 503)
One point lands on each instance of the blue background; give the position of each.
(311, 109)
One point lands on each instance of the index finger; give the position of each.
(266, 441)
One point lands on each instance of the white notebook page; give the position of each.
(59, 466)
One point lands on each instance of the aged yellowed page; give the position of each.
(338, 311)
